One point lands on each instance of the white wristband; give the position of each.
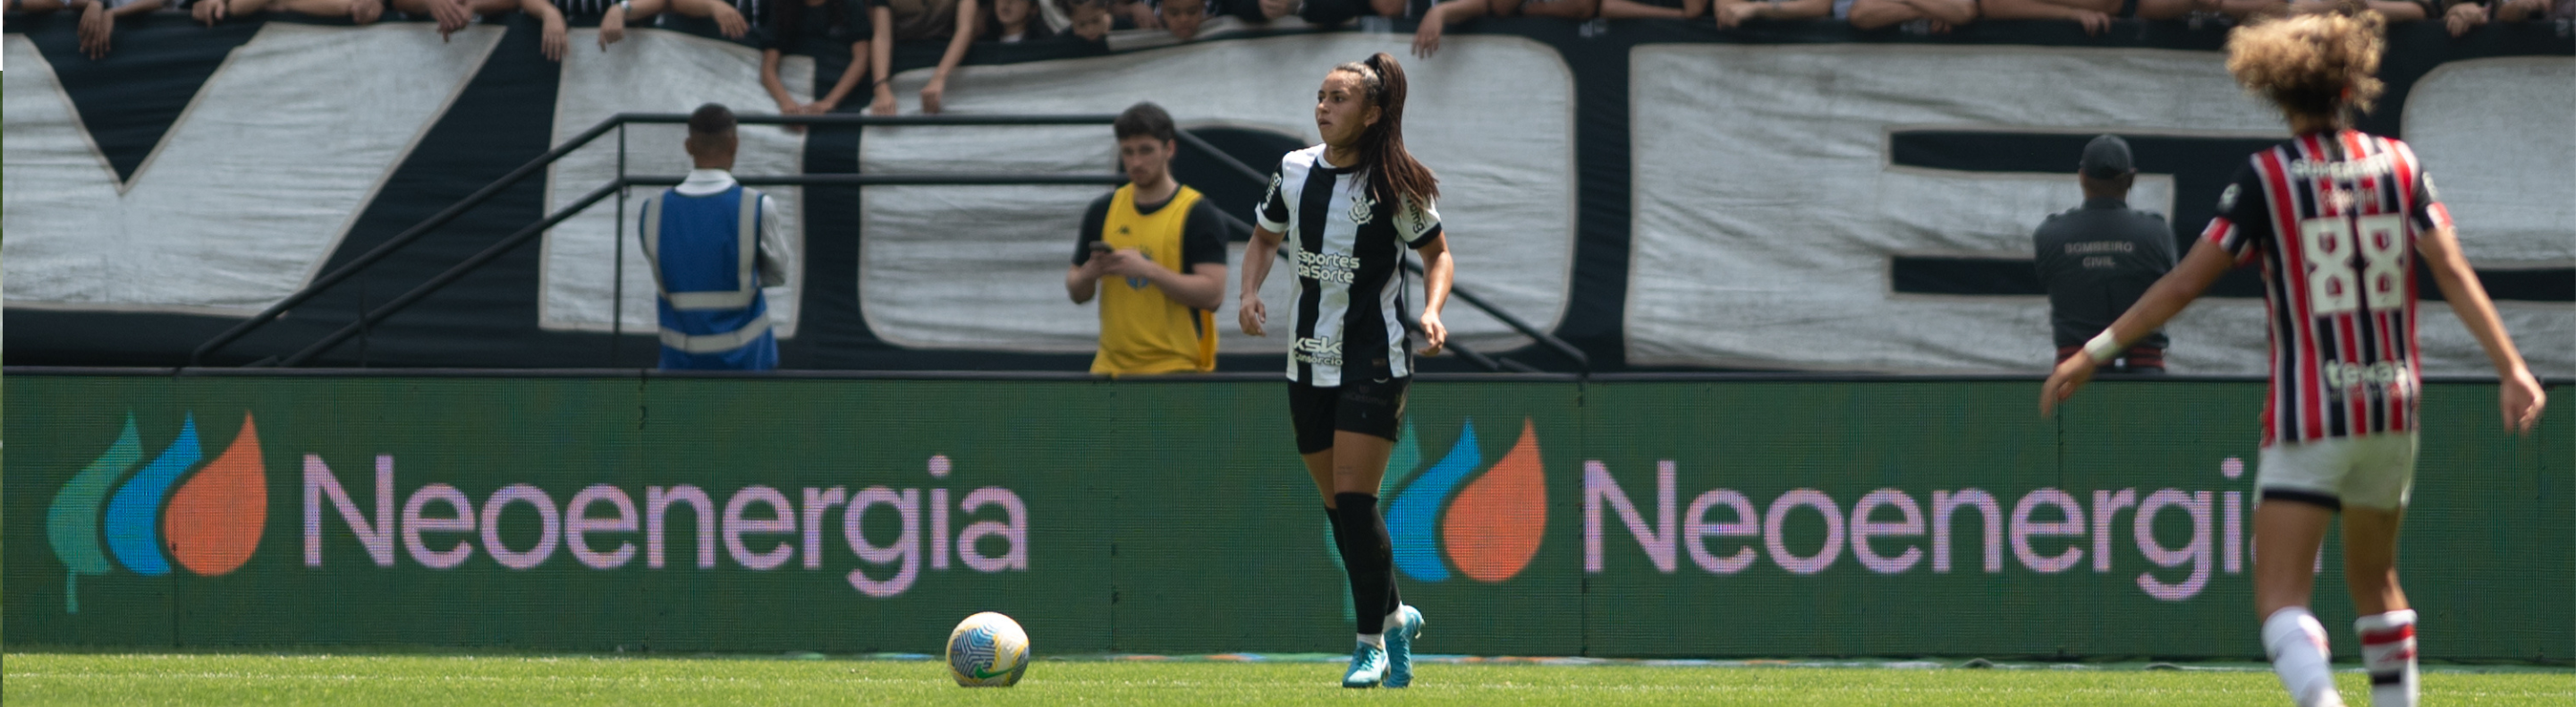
(2102, 348)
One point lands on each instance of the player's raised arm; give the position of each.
(2521, 396)
(2166, 298)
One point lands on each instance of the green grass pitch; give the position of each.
(413, 680)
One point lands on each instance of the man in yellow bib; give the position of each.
(1154, 253)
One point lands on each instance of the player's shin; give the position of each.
(2296, 644)
(1366, 556)
(2388, 653)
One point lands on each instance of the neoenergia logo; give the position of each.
(1489, 528)
(210, 524)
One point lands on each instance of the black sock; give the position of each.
(1368, 558)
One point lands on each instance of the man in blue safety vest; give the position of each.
(705, 238)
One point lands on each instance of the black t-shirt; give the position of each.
(1202, 231)
(2095, 261)
(795, 27)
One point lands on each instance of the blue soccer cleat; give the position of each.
(1399, 647)
(1368, 667)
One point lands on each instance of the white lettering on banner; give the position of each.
(759, 526)
(1893, 546)
(249, 191)
(1725, 271)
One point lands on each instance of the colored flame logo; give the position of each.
(1488, 529)
(210, 524)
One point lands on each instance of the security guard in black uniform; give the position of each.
(2097, 259)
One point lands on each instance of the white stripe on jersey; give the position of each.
(1359, 245)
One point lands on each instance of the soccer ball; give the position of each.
(988, 650)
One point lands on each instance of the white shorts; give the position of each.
(2375, 471)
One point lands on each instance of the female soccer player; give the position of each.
(1347, 209)
(2337, 217)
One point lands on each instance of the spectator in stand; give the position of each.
(359, 12)
(2465, 15)
(2095, 15)
(1426, 38)
(1332, 13)
(817, 25)
(1937, 16)
(2393, 10)
(615, 15)
(2099, 258)
(1182, 18)
(1016, 22)
(1653, 9)
(919, 21)
(1734, 13)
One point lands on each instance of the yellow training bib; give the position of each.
(1141, 329)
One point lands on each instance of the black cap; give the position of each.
(2106, 157)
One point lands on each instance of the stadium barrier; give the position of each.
(1533, 515)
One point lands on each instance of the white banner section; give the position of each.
(249, 190)
(1768, 211)
(983, 267)
(655, 71)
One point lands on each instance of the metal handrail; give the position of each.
(1493, 364)
(422, 229)
(525, 235)
(367, 317)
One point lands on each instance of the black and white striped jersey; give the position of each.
(1348, 249)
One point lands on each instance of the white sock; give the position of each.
(1394, 619)
(2388, 653)
(1374, 639)
(2297, 645)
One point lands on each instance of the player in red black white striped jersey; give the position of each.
(2335, 217)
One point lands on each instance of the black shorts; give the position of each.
(1367, 408)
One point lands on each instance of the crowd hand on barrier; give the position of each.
(451, 16)
(2463, 17)
(1733, 15)
(1426, 37)
(98, 24)
(932, 92)
(209, 12)
(883, 104)
(612, 26)
(2095, 22)
(2519, 10)
(728, 20)
(552, 38)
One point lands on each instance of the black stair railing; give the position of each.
(367, 317)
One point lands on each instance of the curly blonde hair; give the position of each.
(2306, 64)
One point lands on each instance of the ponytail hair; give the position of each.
(1392, 172)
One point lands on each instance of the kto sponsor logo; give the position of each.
(759, 528)
(210, 524)
(1884, 530)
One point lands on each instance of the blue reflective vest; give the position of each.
(706, 253)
